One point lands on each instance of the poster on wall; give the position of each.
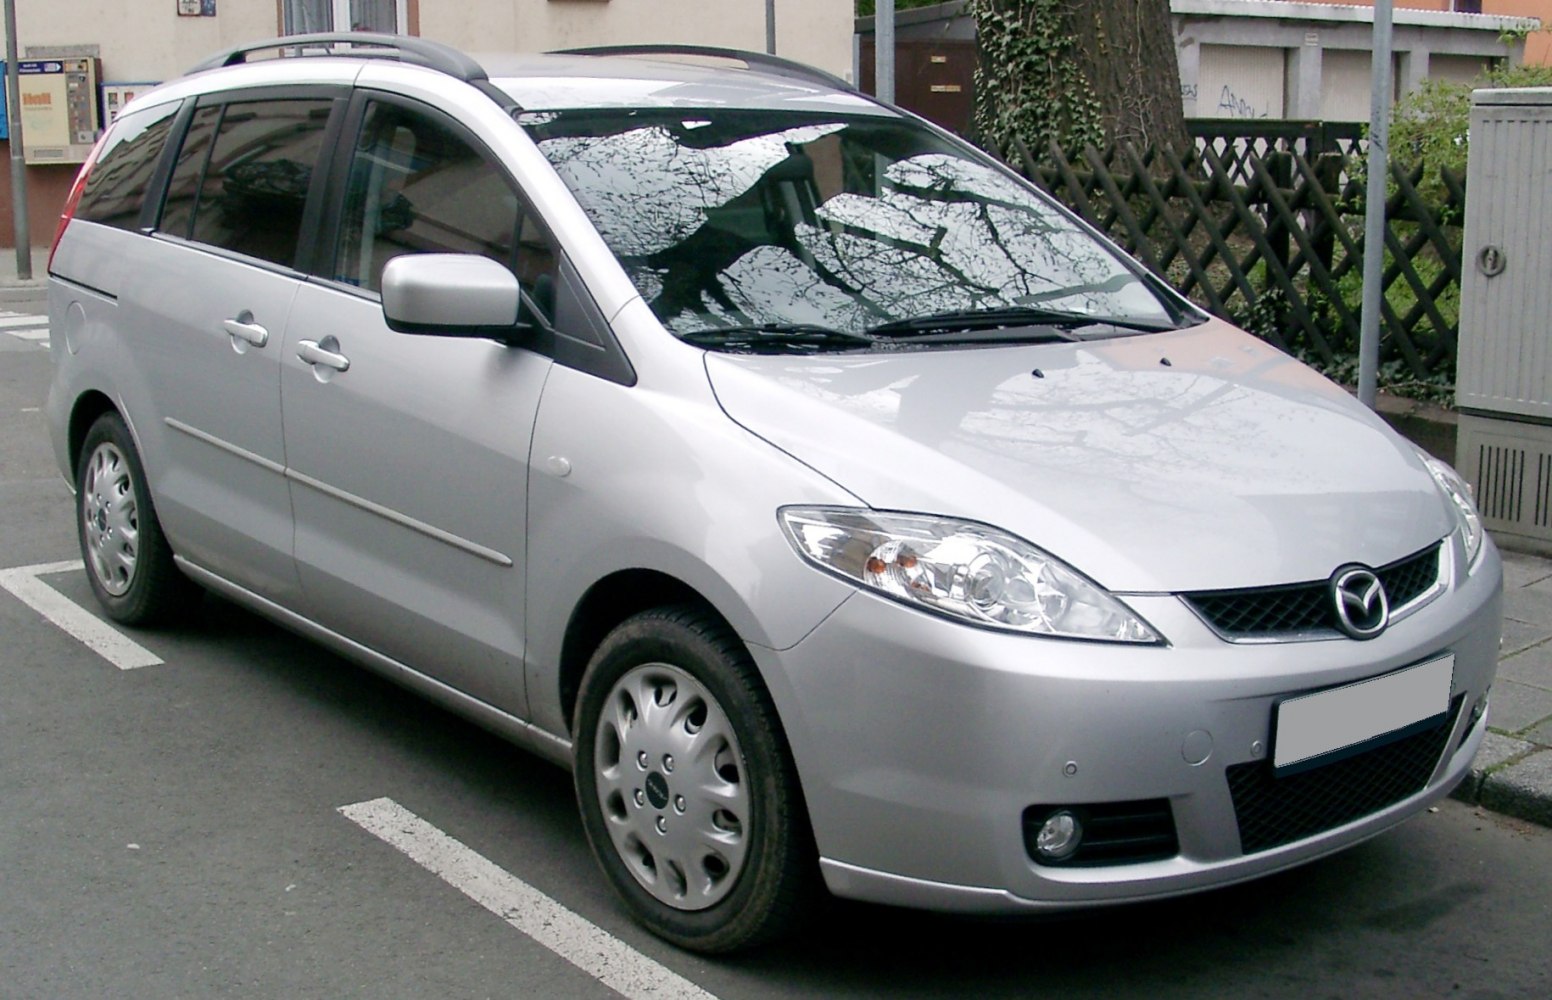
(116, 95)
(58, 109)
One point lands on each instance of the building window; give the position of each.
(302, 17)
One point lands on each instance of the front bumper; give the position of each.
(920, 742)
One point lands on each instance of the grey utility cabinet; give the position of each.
(1504, 381)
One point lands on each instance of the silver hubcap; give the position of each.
(112, 520)
(672, 785)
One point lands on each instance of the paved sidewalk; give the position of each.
(1513, 770)
(12, 288)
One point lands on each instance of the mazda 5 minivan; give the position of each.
(839, 508)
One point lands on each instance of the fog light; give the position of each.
(1478, 709)
(1059, 836)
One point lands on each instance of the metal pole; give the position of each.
(13, 114)
(1374, 206)
(884, 51)
(770, 26)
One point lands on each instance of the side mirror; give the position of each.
(451, 295)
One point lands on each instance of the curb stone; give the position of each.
(1523, 789)
(1496, 753)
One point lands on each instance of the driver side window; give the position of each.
(415, 186)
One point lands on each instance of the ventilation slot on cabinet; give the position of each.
(1509, 466)
(1543, 516)
(1502, 482)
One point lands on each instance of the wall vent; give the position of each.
(1542, 517)
(1509, 464)
(1501, 488)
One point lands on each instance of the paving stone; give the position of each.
(1529, 604)
(1495, 749)
(1517, 706)
(1541, 734)
(1523, 635)
(1522, 789)
(1521, 569)
(1532, 666)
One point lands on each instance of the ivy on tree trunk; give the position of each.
(1077, 71)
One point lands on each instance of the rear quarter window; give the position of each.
(116, 188)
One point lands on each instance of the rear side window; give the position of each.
(252, 184)
(116, 187)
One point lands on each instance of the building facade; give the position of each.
(1238, 58)
(1538, 44)
(136, 43)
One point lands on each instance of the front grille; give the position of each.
(1114, 833)
(1262, 612)
(1411, 576)
(1273, 811)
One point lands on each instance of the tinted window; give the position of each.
(416, 187)
(178, 209)
(255, 184)
(116, 187)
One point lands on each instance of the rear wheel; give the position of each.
(128, 561)
(686, 787)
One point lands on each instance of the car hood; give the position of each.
(1190, 460)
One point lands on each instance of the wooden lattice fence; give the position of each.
(1268, 233)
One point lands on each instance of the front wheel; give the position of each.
(128, 561)
(687, 791)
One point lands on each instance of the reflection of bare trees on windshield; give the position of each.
(840, 225)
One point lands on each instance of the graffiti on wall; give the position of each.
(1231, 105)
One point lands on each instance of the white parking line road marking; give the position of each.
(25, 327)
(98, 636)
(584, 944)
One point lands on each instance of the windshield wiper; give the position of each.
(1052, 320)
(776, 337)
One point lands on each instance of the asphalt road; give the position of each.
(173, 830)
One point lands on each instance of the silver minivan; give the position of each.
(841, 510)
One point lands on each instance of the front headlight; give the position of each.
(1458, 491)
(965, 570)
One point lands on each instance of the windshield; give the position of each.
(763, 221)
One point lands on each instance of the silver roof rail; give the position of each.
(404, 48)
(776, 65)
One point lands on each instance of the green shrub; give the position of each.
(867, 8)
(1432, 125)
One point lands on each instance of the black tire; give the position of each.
(700, 691)
(128, 561)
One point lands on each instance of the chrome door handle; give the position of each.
(253, 333)
(310, 352)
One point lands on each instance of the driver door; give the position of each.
(408, 455)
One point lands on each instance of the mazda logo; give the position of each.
(1362, 608)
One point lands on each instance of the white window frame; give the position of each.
(339, 14)
(401, 15)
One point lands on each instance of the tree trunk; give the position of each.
(1078, 71)
(1127, 48)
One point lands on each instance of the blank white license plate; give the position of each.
(1316, 728)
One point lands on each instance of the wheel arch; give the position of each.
(606, 604)
(89, 406)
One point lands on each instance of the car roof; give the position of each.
(562, 81)
(619, 76)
